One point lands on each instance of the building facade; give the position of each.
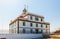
(29, 23)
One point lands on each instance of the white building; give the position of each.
(29, 23)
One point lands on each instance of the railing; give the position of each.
(4, 31)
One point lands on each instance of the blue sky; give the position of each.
(50, 9)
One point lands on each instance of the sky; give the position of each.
(11, 9)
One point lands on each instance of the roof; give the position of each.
(27, 13)
(35, 15)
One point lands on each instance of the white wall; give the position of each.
(20, 30)
(27, 25)
(20, 23)
(27, 30)
(13, 27)
(44, 26)
(33, 18)
(34, 26)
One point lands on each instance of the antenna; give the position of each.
(25, 10)
(26, 7)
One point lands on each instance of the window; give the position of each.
(41, 19)
(31, 24)
(23, 30)
(36, 25)
(41, 31)
(31, 30)
(36, 18)
(23, 23)
(31, 17)
(46, 26)
(36, 30)
(41, 25)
